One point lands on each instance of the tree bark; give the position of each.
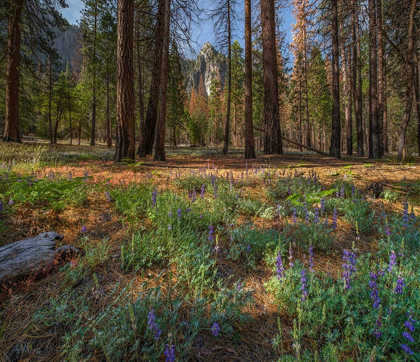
(374, 128)
(410, 80)
(125, 146)
(349, 105)
(108, 113)
(336, 125)
(249, 130)
(147, 140)
(69, 103)
(161, 129)
(272, 138)
(50, 103)
(11, 127)
(381, 78)
(357, 74)
(140, 77)
(95, 26)
(229, 95)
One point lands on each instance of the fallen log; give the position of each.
(299, 144)
(32, 256)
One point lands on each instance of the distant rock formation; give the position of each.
(66, 43)
(209, 62)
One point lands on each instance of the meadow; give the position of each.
(211, 258)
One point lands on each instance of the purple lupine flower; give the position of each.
(408, 336)
(84, 229)
(291, 256)
(387, 228)
(151, 322)
(170, 214)
(374, 287)
(248, 248)
(322, 205)
(303, 283)
(179, 214)
(10, 202)
(349, 267)
(412, 214)
(400, 285)
(405, 214)
(215, 329)
(294, 215)
(211, 232)
(334, 223)
(406, 349)
(154, 195)
(409, 326)
(342, 192)
(169, 353)
(70, 177)
(280, 268)
(377, 332)
(326, 222)
(311, 258)
(392, 261)
(215, 191)
(194, 196)
(1, 206)
(108, 197)
(305, 209)
(316, 215)
(203, 188)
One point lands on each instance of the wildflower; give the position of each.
(349, 267)
(248, 248)
(290, 256)
(170, 214)
(305, 209)
(406, 349)
(311, 258)
(215, 191)
(303, 285)
(326, 222)
(387, 228)
(11, 202)
(179, 213)
(409, 326)
(294, 215)
(316, 215)
(280, 268)
(84, 229)
(154, 195)
(170, 353)
(322, 205)
(211, 232)
(342, 192)
(400, 285)
(412, 214)
(151, 322)
(334, 223)
(1, 206)
(215, 329)
(169, 227)
(70, 176)
(377, 332)
(202, 191)
(408, 336)
(405, 214)
(374, 287)
(392, 261)
(108, 197)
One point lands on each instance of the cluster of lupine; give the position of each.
(215, 329)
(151, 322)
(108, 197)
(211, 232)
(280, 267)
(392, 261)
(377, 331)
(192, 195)
(203, 188)
(406, 219)
(311, 258)
(409, 325)
(334, 222)
(316, 215)
(303, 282)
(374, 294)
(154, 197)
(290, 256)
(1, 206)
(84, 229)
(179, 213)
(349, 267)
(169, 353)
(400, 285)
(387, 228)
(294, 215)
(305, 209)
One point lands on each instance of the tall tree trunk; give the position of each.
(374, 123)
(305, 77)
(140, 77)
(357, 79)
(11, 127)
(417, 94)
(70, 121)
(349, 105)
(410, 65)
(147, 140)
(381, 76)
(229, 95)
(125, 145)
(249, 123)
(272, 137)
(161, 129)
(95, 26)
(336, 125)
(108, 113)
(50, 102)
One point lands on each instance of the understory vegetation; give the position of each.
(257, 263)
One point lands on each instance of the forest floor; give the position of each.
(72, 311)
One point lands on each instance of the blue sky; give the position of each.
(203, 33)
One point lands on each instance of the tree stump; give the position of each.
(33, 255)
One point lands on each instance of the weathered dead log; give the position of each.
(32, 256)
